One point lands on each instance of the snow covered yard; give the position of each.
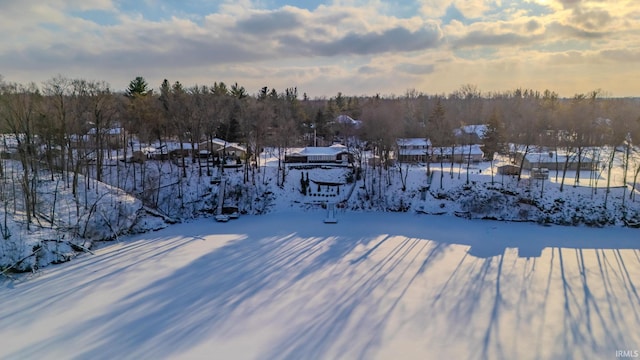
(375, 285)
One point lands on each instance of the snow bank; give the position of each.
(65, 225)
(133, 205)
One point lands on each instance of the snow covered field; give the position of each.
(375, 285)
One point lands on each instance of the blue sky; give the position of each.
(356, 47)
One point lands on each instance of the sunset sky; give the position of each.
(322, 48)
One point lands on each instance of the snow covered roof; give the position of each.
(403, 142)
(478, 129)
(551, 157)
(346, 119)
(320, 150)
(151, 150)
(10, 140)
(228, 145)
(112, 131)
(463, 149)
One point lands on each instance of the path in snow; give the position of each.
(372, 286)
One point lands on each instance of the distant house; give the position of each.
(508, 169)
(324, 154)
(413, 149)
(8, 145)
(113, 136)
(460, 153)
(470, 134)
(554, 161)
(156, 151)
(217, 145)
(347, 120)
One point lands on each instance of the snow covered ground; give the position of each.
(375, 285)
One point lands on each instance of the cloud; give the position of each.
(368, 70)
(415, 69)
(350, 45)
(398, 39)
(591, 19)
(533, 25)
(270, 22)
(566, 30)
(631, 56)
(470, 9)
(480, 38)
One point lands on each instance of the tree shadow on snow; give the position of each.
(338, 290)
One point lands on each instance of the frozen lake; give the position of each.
(385, 286)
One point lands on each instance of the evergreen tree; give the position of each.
(493, 138)
(138, 87)
(303, 184)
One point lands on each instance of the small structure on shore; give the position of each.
(331, 214)
(219, 215)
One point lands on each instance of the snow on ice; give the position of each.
(374, 286)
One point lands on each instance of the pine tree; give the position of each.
(303, 184)
(493, 138)
(138, 87)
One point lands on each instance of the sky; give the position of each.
(356, 47)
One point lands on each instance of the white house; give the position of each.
(348, 120)
(555, 161)
(413, 149)
(222, 146)
(460, 153)
(320, 154)
(470, 134)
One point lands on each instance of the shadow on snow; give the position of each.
(337, 292)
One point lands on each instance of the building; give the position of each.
(554, 161)
(459, 153)
(217, 145)
(470, 134)
(413, 150)
(347, 120)
(325, 154)
(112, 136)
(508, 169)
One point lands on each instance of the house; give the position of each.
(9, 145)
(459, 153)
(223, 147)
(325, 154)
(156, 151)
(113, 136)
(413, 149)
(555, 161)
(348, 120)
(470, 134)
(508, 169)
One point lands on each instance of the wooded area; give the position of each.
(65, 127)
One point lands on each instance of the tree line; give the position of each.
(62, 126)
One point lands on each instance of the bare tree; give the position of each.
(19, 110)
(440, 133)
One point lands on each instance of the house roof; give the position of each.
(462, 149)
(413, 142)
(478, 129)
(222, 143)
(552, 157)
(320, 150)
(346, 119)
(10, 140)
(105, 131)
